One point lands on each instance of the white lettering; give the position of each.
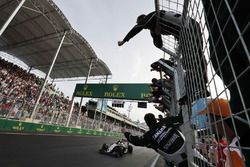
(159, 132)
(171, 141)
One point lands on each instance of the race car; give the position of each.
(117, 149)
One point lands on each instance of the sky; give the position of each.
(102, 24)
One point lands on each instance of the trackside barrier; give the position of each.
(18, 126)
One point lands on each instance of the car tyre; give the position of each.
(130, 149)
(104, 146)
(118, 152)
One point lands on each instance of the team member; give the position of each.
(170, 23)
(164, 137)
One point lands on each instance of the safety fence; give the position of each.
(209, 47)
(28, 127)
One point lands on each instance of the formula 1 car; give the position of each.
(117, 149)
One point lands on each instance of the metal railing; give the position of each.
(213, 70)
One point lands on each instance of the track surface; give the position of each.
(25, 150)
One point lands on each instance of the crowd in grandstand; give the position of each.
(19, 90)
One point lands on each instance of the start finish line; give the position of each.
(113, 91)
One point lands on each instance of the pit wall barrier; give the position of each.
(28, 127)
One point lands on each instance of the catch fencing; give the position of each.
(211, 57)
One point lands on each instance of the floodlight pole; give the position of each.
(11, 17)
(129, 109)
(86, 80)
(29, 70)
(33, 114)
(70, 111)
(157, 5)
(106, 79)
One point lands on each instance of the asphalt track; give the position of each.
(26, 150)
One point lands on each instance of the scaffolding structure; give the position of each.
(211, 54)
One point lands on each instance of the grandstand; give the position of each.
(36, 36)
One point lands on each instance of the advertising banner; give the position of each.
(113, 91)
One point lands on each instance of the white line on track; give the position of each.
(155, 160)
(37, 134)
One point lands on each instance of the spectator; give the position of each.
(160, 118)
(220, 108)
(203, 147)
(19, 89)
(221, 145)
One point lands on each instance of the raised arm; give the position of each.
(135, 140)
(134, 31)
(142, 24)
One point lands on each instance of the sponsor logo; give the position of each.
(84, 93)
(85, 87)
(19, 127)
(41, 129)
(159, 132)
(171, 141)
(114, 94)
(115, 88)
(145, 95)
